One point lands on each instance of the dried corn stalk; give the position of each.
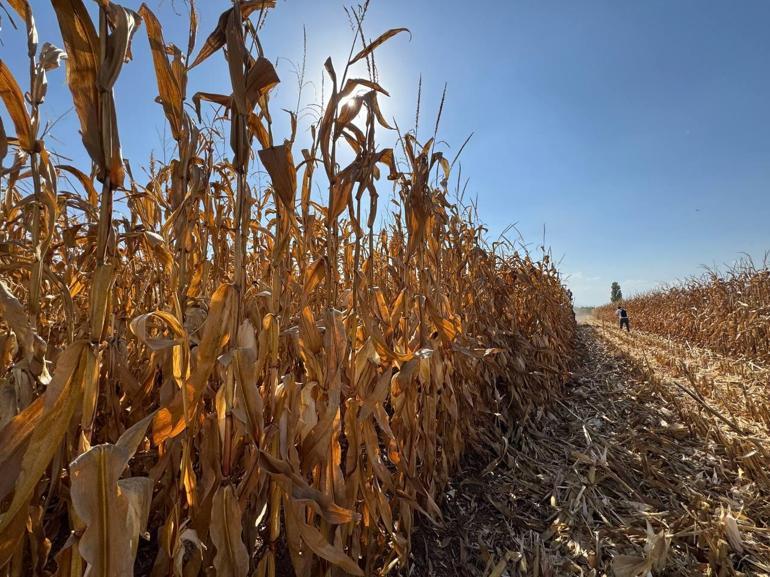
(258, 379)
(727, 312)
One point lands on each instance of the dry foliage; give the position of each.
(720, 404)
(728, 313)
(634, 471)
(228, 379)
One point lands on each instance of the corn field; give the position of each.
(727, 312)
(219, 377)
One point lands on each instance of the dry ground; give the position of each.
(652, 461)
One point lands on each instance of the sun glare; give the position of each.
(351, 98)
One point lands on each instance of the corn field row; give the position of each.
(727, 312)
(221, 378)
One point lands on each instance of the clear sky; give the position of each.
(636, 133)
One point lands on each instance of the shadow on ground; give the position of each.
(613, 478)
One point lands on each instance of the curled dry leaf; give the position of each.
(171, 420)
(232, 558)
(60, 401)
(22, 8)
(630, 566)
(279, 164)
(372, 46)
(217, 38)
(732, 532)
(82, 46)
(168, 87)
(32, 347)
(114, 511)
(14, 102)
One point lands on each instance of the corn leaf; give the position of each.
(232, 558)
(14, 103)
(381, 39)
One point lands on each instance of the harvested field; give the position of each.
(633, 470)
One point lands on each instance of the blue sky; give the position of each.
(636, 134)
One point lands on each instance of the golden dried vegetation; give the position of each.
(652, 462)
(230, 379)
(726, 312)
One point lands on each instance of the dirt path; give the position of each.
(635, 468)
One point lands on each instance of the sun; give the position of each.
(350, 99)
